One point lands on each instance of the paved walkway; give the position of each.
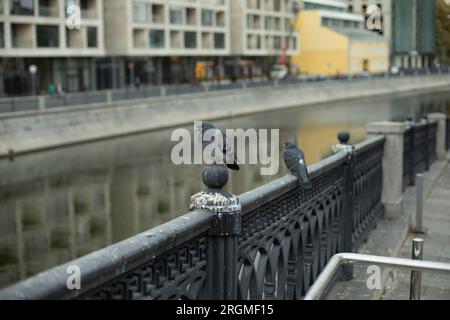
(436, 247)
(392, 237)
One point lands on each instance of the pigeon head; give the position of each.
(205, 126)
(290, 145)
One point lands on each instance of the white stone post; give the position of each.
(392, 164)
(441, 119)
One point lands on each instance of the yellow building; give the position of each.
(335, 42)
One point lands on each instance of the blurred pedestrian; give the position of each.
(51, 89)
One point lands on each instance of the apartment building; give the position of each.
(408, 24)
(262, 31)
(132, 42)
(162, 41)
(34, 32)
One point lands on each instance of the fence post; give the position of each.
(441, 119)
(426, 146)
(411, 174)
(392, 164)
(347, 206)
(223, 236)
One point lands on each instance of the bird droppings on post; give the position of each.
(343, 145)
(215, 199)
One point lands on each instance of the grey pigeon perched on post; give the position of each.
(229, 158)
(294, 158)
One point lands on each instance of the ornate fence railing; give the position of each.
(419, 150)
(273, 245)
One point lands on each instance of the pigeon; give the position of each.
(229, 158)
(294, 159)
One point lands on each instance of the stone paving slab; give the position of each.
(392, 238)
(436, 219)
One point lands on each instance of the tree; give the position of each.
(443, 31)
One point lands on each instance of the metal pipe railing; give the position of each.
(321, 284)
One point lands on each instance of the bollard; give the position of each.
(419, 203)
(223, 236)
(427, 135)
(416, 276)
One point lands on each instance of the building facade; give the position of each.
(162, 41)
(134, 42)
(35, 33)
(262, 31)
(408, 24)
(335, 42)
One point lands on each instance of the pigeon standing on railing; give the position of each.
(229, 158)
(294, 159)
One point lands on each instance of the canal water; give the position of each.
(61, 204)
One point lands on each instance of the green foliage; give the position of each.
(443, 31)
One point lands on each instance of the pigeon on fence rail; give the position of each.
(294, 158)
(229, 158)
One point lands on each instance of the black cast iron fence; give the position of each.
(419, 150)
(271, 247)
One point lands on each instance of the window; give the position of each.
(22, 7)
(74, 38)
(47, 36)
(190, 40)
(92, 37)
(219, 41)
(142, 12)
(88, 9)
(176, 15)
(157, 13)
(191, 16)
(156, 39)
(21, 35)
(48, 8)
(207, 17)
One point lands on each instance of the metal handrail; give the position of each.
(318, 288)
